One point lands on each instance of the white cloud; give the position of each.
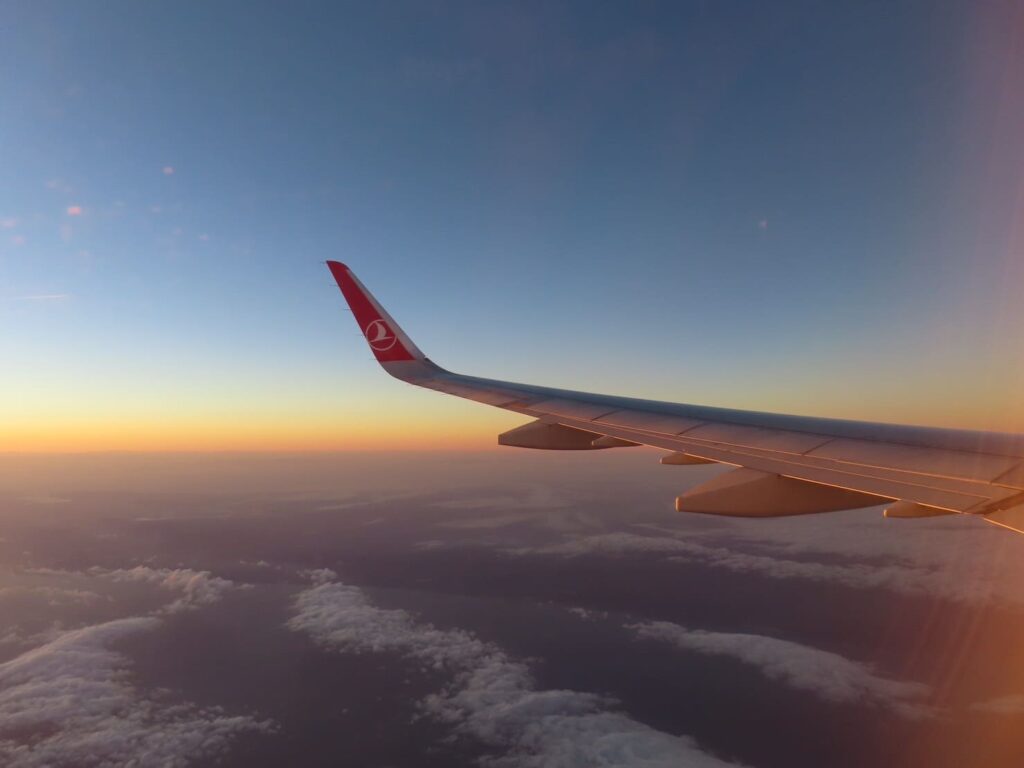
(196, 587)
(612, 544)
(492, 697)
(70, 703)
(827, 675)
(431, 544)
(537, 497)
(319, 575)
(12, 636)
(41, 297)
(955, 542)
(912, 579)
(539, 506)
(587, 614)
(51, 595)
(485, 523)
(1004, 705)
(18, 636)
(45, 498)
(903, 579)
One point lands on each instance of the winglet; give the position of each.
(387, 340)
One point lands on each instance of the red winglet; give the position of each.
(387, 340)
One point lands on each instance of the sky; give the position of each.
(799, 207)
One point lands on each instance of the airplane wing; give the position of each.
(784, 465)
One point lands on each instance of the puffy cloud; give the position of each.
(492, 697)
(1004, 705)
(18, 636)
(587, 614)
(70, 703)
(319, 575)
(12, 636)
(196, 587)
(827, 675)
(339, 616)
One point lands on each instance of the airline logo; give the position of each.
(379, 336)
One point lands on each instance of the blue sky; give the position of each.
(787, 206)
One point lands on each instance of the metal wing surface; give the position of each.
(784, 465)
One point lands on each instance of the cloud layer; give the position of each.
(54, 596)
(827, 675)
(492, 697)
(197, 588)
(907, 579)
(1004, 705)
(70, 703)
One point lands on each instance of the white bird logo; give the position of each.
(379, 336)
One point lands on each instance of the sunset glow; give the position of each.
(166, 319)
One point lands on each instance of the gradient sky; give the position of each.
(803, 207)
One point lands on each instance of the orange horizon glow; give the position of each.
(438, 423)
(192, 433)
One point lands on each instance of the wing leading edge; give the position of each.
(785, 465)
